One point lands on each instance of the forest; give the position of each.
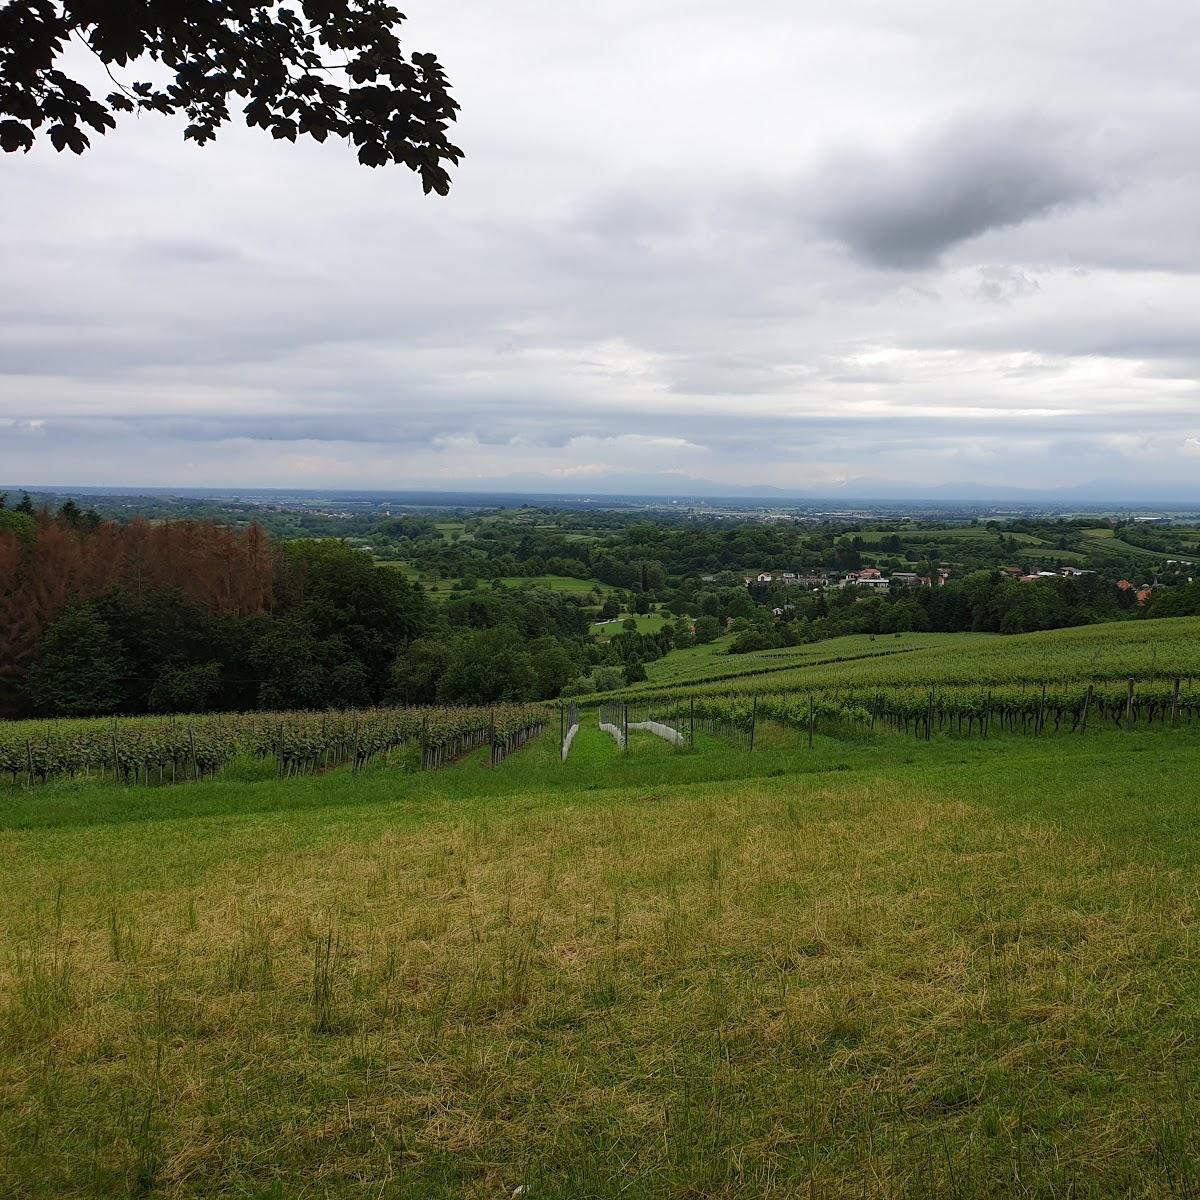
(99, 617)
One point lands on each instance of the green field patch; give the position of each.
(922, 537)
(439, 587)
(1052, 557)
(556, 583)
(1128, 548)
(646, 623)
(713, 663)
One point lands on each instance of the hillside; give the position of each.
(1151, 649)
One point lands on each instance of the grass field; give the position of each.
(1141, 648)
(651, 623)
(440, 588)
(712, 661)
(557, 583)
(916, 537)
(955, 969)
(1049, 557)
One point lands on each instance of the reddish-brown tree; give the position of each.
(231, 573)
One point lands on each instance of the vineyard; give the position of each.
(1121, 676)
(1147, 651)
(713, 664)
(855, 714)
(148, 750)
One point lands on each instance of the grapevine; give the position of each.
(153, 750)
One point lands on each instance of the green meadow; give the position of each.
(886, 968)
(440, 587)
(712, 662)
(645, 622)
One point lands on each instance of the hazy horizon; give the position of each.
(637, 488)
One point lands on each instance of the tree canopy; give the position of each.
(320, 67)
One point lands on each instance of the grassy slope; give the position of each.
(1162, 648)
(699, 663)
(957, 969)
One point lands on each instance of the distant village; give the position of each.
(873, 579)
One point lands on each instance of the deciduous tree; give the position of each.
(309, 69)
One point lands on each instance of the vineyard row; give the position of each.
(144, 750)
(920, 712)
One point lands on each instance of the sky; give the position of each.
(823, 246)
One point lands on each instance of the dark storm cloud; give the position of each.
(903, 208)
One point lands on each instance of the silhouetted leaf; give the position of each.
(261, 57)
(15, 136)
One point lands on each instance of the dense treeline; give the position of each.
(647, 555)
(191, 616)
(60, 576)
(982, 602)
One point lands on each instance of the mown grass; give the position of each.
(898, 969)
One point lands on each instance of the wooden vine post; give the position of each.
(753, 721)
(1175, 704)
(811, 718)
(1087, 704)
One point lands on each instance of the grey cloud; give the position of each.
(1003, 285)
(735, 433)
(903, 209)
(187, 251)
(256, 312)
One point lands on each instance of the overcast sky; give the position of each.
(774, 242)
